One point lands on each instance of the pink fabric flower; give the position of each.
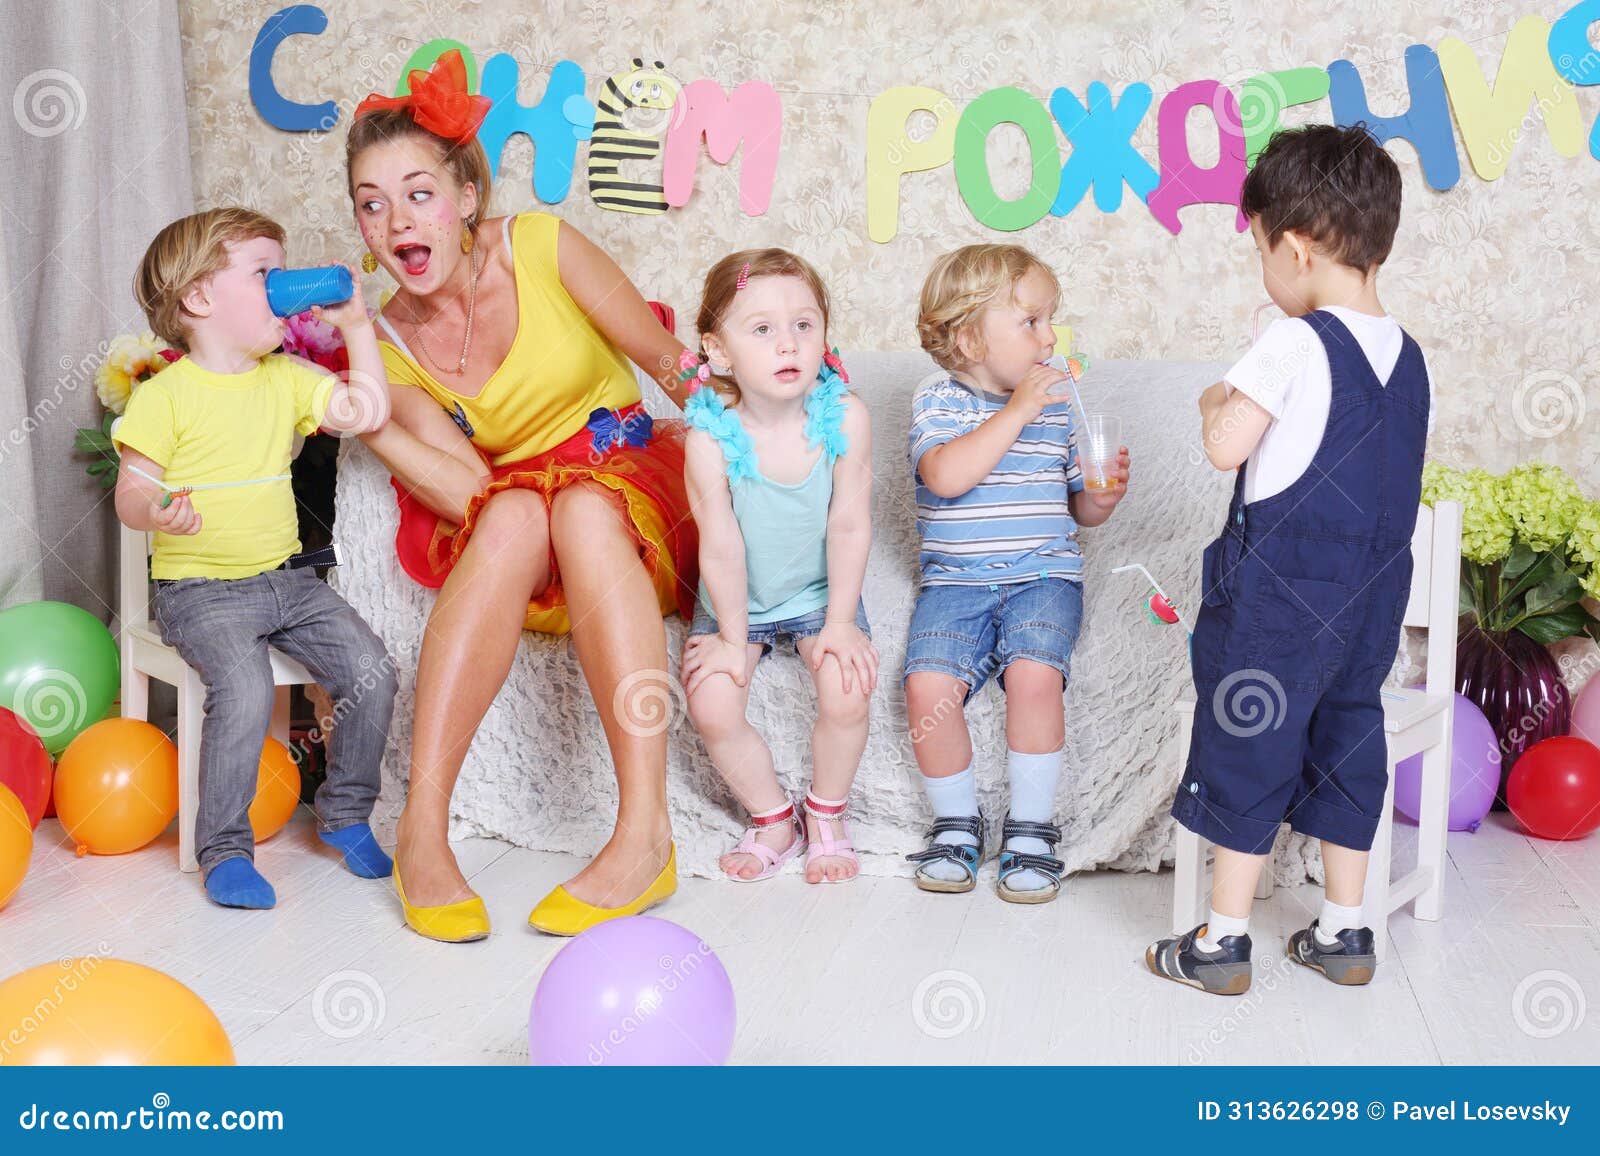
(316, 341)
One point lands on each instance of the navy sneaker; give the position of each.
(1223, 971)
(1351, 961)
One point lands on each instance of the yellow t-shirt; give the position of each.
(203, 428)
(559, 370)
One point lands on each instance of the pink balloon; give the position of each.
(1586, 712)
(1474, 771)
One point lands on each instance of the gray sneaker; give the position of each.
(1351, 961)
(1224, 971)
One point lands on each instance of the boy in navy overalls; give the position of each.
(1303, 593)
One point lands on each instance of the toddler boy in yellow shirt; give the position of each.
(205, 448)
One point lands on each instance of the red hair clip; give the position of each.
(744, 278)
(439, 100)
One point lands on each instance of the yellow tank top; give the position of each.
(559, 370)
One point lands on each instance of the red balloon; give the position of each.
(1554, 790)
(24, 765)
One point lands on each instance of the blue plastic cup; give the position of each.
(291, 291)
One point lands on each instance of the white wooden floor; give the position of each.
(873, 972)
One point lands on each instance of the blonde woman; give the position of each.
(534, 491)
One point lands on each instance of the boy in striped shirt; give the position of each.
(1000, 497)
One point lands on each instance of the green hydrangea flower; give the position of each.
(1542, 502)
(1440, 483)
(1486, 527)
(1585, 546)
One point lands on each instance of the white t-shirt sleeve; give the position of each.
(1433, 410)
(1275, 365)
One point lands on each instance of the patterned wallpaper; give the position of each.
(1495, 279)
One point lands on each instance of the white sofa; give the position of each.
(539, 775)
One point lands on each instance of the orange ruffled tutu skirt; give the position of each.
(643, 473)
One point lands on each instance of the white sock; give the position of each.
(1033, 800)
(951, 797)
(1220, 926)
(1335, 919)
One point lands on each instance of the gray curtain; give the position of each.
(94, 160)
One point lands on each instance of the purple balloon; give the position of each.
(1474, 771)
(635, 990)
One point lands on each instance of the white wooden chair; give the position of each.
(145, 656)
(1413, 721)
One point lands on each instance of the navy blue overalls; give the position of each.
(1302, 599)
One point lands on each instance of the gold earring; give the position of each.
(369, 263)
(466, 240)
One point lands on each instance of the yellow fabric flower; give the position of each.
(113, 386)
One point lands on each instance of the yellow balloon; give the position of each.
(116, 786)
(16, 843)
(106, 1011)
(277, 791)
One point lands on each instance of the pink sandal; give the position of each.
(771, 861)
(826, 811)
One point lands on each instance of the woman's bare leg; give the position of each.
(467, 648)
(621, 643)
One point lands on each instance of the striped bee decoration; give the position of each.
(633, 112)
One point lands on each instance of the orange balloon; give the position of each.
(116, 786)
(16, 843)
(106, 1011)
(277, 791)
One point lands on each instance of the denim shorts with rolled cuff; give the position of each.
(766, 634)
(975, 632)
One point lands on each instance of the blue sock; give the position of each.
(236, 883)
(361, 851)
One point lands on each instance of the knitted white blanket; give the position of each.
(539, 775)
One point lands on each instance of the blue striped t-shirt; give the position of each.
(1015, 525)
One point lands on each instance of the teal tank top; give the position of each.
(785, 527)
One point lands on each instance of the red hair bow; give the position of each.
(439, 100)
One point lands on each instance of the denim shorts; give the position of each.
(768, 633)
(975, 632)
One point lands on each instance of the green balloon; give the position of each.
(59, 669)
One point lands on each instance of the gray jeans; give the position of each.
(222, 628)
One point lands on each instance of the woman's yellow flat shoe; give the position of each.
(450, 923)
(559, 913)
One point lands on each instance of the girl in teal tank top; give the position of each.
(780, 483)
